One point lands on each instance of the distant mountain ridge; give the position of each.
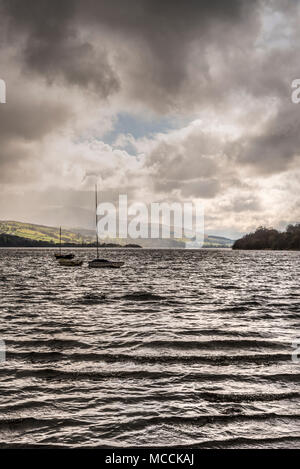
(81, 236)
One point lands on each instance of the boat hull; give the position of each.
(105, 265)
(70, 262)
(64, 256)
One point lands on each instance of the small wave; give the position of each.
(142, 296)
(199, 420)
(214, 344)
(222, 397)
(35, 356)
(233, 309)
(92, 375)
(30, 404)
(151, 359)
(291, 377)
(214, 360)
(55, 342)
(91, 299)
(233, 412)
(217, 332)
(242, 442)
(239, 442)
(51, 373)
(211, 397)
(32, 422)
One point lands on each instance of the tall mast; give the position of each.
(60, 240)
(97, 241)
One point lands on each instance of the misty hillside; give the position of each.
(50, 234)
(69, 217)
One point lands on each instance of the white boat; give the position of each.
(70, 262)
(102, 263)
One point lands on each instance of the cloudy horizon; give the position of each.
(163, 101)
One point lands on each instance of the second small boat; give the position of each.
(70, 262)
(59, 255)
(105, 264)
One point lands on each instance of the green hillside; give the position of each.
(41, 233)
(50, 234)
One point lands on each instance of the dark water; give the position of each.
(188, 348)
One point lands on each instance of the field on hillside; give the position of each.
(41, 233)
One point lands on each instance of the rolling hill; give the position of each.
(50, 234)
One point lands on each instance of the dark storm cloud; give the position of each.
(23, 122)
(165, 28)
(53, 47)
(144, 47)
(162, 30)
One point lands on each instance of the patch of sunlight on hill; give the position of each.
(40, 233)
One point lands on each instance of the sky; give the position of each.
(162, 101)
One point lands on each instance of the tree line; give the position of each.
(269, 238)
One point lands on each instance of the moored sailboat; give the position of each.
(59, 255)
(102, 263)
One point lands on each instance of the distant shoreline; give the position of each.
(12, 241)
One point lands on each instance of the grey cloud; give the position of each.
(179, 161)
(243, 203)
(197, 188)
(144, 47)
(53, 47)
(157, 33)
(31, 120)
(275, 148)
(193, 164)
(201, 188)
(77, 63)
(24, 121)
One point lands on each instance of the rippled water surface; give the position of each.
(183, 348)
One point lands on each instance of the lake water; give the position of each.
(177, 348)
